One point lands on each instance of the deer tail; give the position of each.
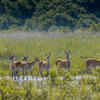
(58, 60)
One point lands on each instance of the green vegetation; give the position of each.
(70, 25)
(41, 15)
(53, 89)
(82, 45)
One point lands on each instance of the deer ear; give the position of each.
(69, 51)
(50, 54)
(13, 55)
(9, 55)
(45, 54)
(23, 56)
(65, 51)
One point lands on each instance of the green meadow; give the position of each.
(82, 46)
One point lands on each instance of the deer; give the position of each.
(28, 65)
(64, 63)
(91, 63)
(23, 66)
(14, 66)
(31, 64)
(43, 65)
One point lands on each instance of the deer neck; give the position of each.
(68, 58)
(48, 65)
(33, 63)
(48, 61)
(68, 65)
(26, 62)
(12, 62)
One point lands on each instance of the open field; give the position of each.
(82, 45)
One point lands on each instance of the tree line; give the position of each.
(45, 14)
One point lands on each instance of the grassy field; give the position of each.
(82, 46)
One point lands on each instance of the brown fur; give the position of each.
(56, 62)
(30, 63)
(27, 66)
(14, 66)
(63, 63)
(17, 63)
(14, 69)
(40, 63)
(43, 65)
(22, 65)
(91, 63)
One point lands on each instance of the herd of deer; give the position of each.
(15, 67)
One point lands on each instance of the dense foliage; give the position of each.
(85, 88)
(44, 14)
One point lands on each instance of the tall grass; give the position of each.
(81, 48)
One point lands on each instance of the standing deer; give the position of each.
(14, 66)
(31, 64)
(64, 63)
(91, 63)
(27, 66)
(43, 65)
(23, 66)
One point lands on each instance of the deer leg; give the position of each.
(31, 73)
(18, 75)
(11, 74)
(37, 74)
(84, 70)
(41, 73)
(88, 70)
(14, 75)
(23, 75)
(68, 68)
(47, 73)
(26, 74)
